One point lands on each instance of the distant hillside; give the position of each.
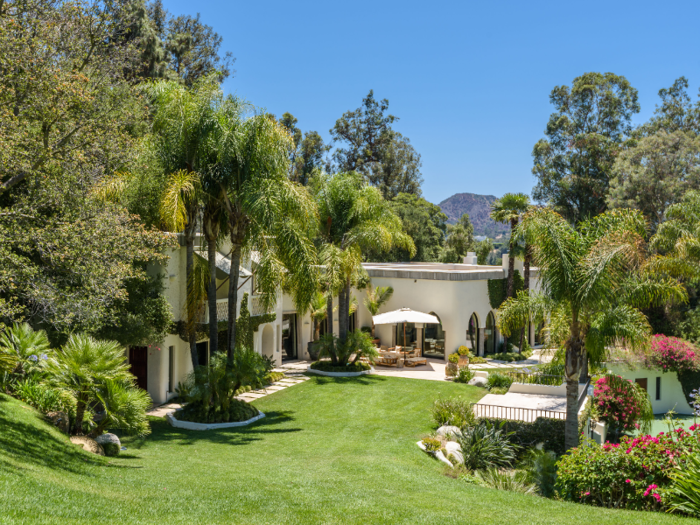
(478, 207)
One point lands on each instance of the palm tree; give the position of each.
(375, 299)
(508, 209)
(23, 350)
(83, 366)
(267, 214)
(353, 217)
(596, 278)
(319, 312)
(678, 238)
(185, 127)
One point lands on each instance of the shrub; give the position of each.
(684, 494)
(486, 445)
(24, 352)
(236, 410)
(672, 354)
(498, 380)
(510, 480)
(358, 343)
(327, 366)
(621, 404)
(545, 431)
(44, 398)
(463, 350)
(453, 358)
(635, 474)
(432, 444)
(499, 391)
(272, 377)
(455, 411)
(512, 356)
(540, 467)
(464, 375)
(476, 360)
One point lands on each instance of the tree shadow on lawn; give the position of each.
(362, 380)
(162, 431)
(32, 444)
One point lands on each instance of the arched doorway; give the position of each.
(268, 341)
(434, 339)
(490, 335)
(473, 332)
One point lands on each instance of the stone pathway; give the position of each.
(290, 379)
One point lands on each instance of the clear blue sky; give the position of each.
(470, 81)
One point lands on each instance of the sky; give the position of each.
(469, 81)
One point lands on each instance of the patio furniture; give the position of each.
(415, 361)
(388, 359)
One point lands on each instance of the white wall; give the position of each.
(671, 395)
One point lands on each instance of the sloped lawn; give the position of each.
(329, 451)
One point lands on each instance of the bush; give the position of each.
(236, 410)
(327, 366)
(453, 358)
(498, 380)
(358, 343)
(684, 495)
(455, 411)
(463, 350)
(512, 356)
(43, 397)
(510, 480)
(486, 445)
(476, 360)
(546, 431)
(540, 467)
(621, 404)
(672, 354)
(499, 391)
(464, 375)
(25, 352)
(272, 377)
(432, 444)
(635, 474)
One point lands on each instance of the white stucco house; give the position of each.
(456, 293)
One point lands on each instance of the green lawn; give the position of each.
(329, 451)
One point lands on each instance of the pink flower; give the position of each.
(628, 481)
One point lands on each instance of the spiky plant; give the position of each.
(125, 408)
(23, 350)
(376, 298)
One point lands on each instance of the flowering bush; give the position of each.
(672, 354)
(621, 404)
(634, 474)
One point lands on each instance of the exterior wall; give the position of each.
(672, 397)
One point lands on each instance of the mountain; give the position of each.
(478, 207)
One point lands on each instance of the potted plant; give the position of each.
(452, 367)
(464, 355)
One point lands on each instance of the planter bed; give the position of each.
(340, 374)
(190, 425)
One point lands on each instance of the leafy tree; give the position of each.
(678, 238)
(376, 298)
(656, 173)
(483, 250)
(675, 113)
(508, 209)
(459, 240)
(353, 217)
(308, 151)
(375, 150)
(574, 163)
(595, 279)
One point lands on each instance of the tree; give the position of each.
(375, 150)
(353, 217)
(573, 164)
(595, 279)
(676, 112)
(458, 241)
(483, 250)
(375, 299)
(308, 151)
(266, 213)
(656, 173)
(508, 209)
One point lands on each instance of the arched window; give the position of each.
(490, 335)
(434, 339)
(473, 332)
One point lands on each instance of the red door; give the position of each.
(138, 359)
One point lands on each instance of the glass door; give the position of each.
(289, 337)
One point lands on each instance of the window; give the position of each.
(171, 367)
(658, 388)
(203, 353)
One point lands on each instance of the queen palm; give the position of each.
(595, 278)
(678, 238)
(375, 299)
(508, 209)
(353, 217)
(267, 214)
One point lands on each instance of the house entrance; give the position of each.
(138, 361)
(289, 337)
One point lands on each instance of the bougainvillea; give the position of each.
(621, 404)
(672, 354)
(633, 474)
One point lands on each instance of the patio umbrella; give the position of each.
(405, 315)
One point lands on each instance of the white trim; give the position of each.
(190, 425)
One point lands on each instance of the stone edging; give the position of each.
(191, 425)
(340, 374)
(437, 455)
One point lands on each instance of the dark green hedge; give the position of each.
(542, 430)
(690, 380)
(498, 288)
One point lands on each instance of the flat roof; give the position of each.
(434, 271)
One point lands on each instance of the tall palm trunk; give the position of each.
(329, 311)
(233, 297)
(80, 414)
(571, 429)
(343, 312)
(189, 268)
(211, 232)
(575, 351)
(526, 288)
(511, 259)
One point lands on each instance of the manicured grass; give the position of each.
(329, 451)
